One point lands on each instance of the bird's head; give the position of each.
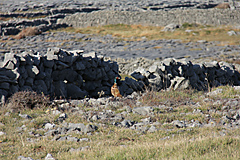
(115, 80)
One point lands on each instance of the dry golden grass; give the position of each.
(157, 47)
(29, 31)
(5, 19)
(222, 6)
(136, 32)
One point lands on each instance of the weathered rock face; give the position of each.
(58, 73)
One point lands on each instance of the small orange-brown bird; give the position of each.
(114, 89)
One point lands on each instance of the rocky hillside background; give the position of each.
(213, 17)
(59, 14)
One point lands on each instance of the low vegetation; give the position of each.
(113, 142)
(27, 100)
(29, 31)
(187, 32)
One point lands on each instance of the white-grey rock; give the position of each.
(79, 149)
(24, 158)
(25, 116)
(147, 120)
(2, 133)
(152, 129)
(73, 126)
(95, 117)
(236, 88)
(211, 64)
(73, 139)
(180, 83)
(63, 116)
(89, 128)
(143, 110)
(127, 123)
(231, 33)
(216, 92)
(90, 54)
(56, 112)
(49, 126)
(153, 69)
(155, 81)
(179, 124)
(171, 27)
(49, 157)
(142, 71)
(84, 139)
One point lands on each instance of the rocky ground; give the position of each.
(115, 48)
(23, 5)
(109, 46)
(143, 114)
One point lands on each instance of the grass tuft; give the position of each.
(27, 100)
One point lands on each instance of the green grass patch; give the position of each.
(171, 96)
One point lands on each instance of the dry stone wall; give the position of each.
(58, 73)
(19, 21)
(72, 74)
(175, 74)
